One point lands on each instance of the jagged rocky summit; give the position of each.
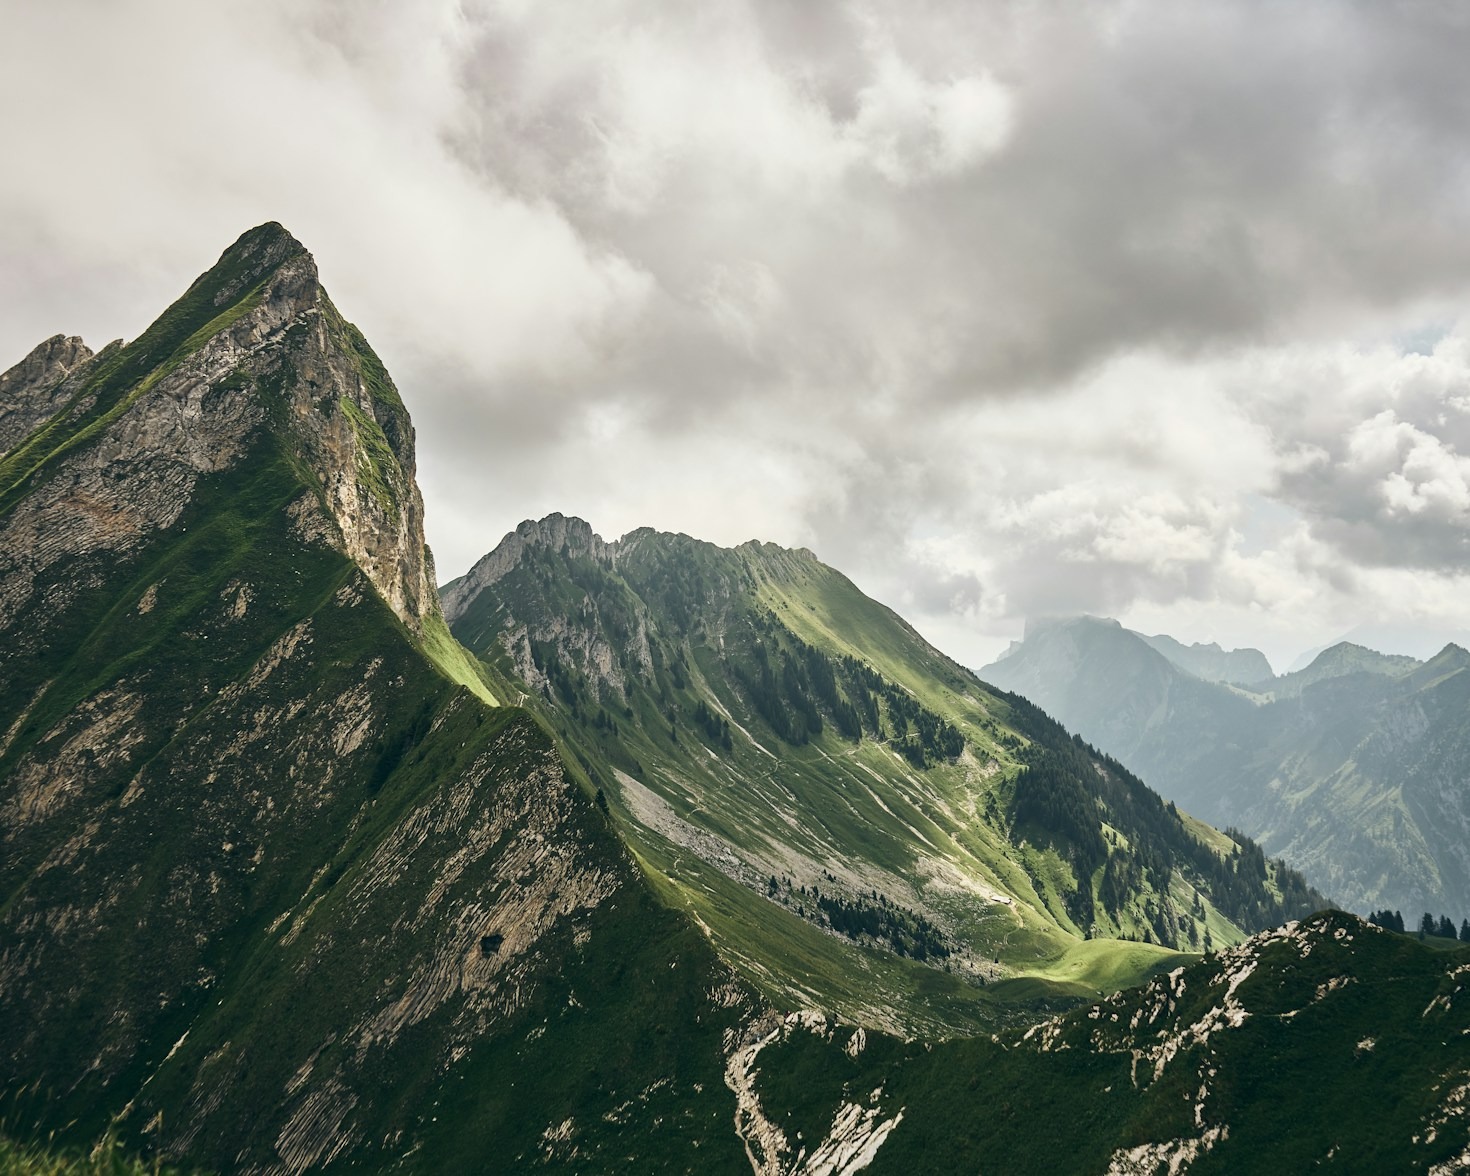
(255, 342)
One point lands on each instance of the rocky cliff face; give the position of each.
(37, 386)
(255, 342)
(555, 532)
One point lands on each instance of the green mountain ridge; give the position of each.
(1325, 1044)
(787, 753)
(1351, 768)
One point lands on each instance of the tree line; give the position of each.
(793, 685)
(1442, 927)
(873, 916)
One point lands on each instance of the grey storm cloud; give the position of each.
(1183, 177)
(1002, 307)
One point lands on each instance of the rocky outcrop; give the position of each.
(255, 342)
(33, 390)
(279, 890)
(554, 532)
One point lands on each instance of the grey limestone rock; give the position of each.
(198, 413)
(33, 390)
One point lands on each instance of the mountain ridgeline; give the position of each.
(291, 880)
(1352, 768)
(758, 725)
(1326, 1044)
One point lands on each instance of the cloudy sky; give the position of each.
(1151, 310)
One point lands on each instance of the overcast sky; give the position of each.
(1159, 312)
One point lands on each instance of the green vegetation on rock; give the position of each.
(1329, 1044)
(278, 889)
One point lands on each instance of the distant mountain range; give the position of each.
(1421, 642)
(1354, 768)
(1238, 667)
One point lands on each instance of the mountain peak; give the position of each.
(1347, 657)
(270, 234)
(1448, 662)
(269, 244)
(36, 387)
(1240, 667)
(555, 531)
(253, 347)
(1040, 624)
(58, 353)
(265, 252)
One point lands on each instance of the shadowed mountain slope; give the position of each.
(1327, 1044)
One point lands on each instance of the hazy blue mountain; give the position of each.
(1417, 641)
(1353, 768)
(1240, 667)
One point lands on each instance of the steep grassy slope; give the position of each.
(104, 1158)
(276, 891)
(861, 823)
(1352, 769)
